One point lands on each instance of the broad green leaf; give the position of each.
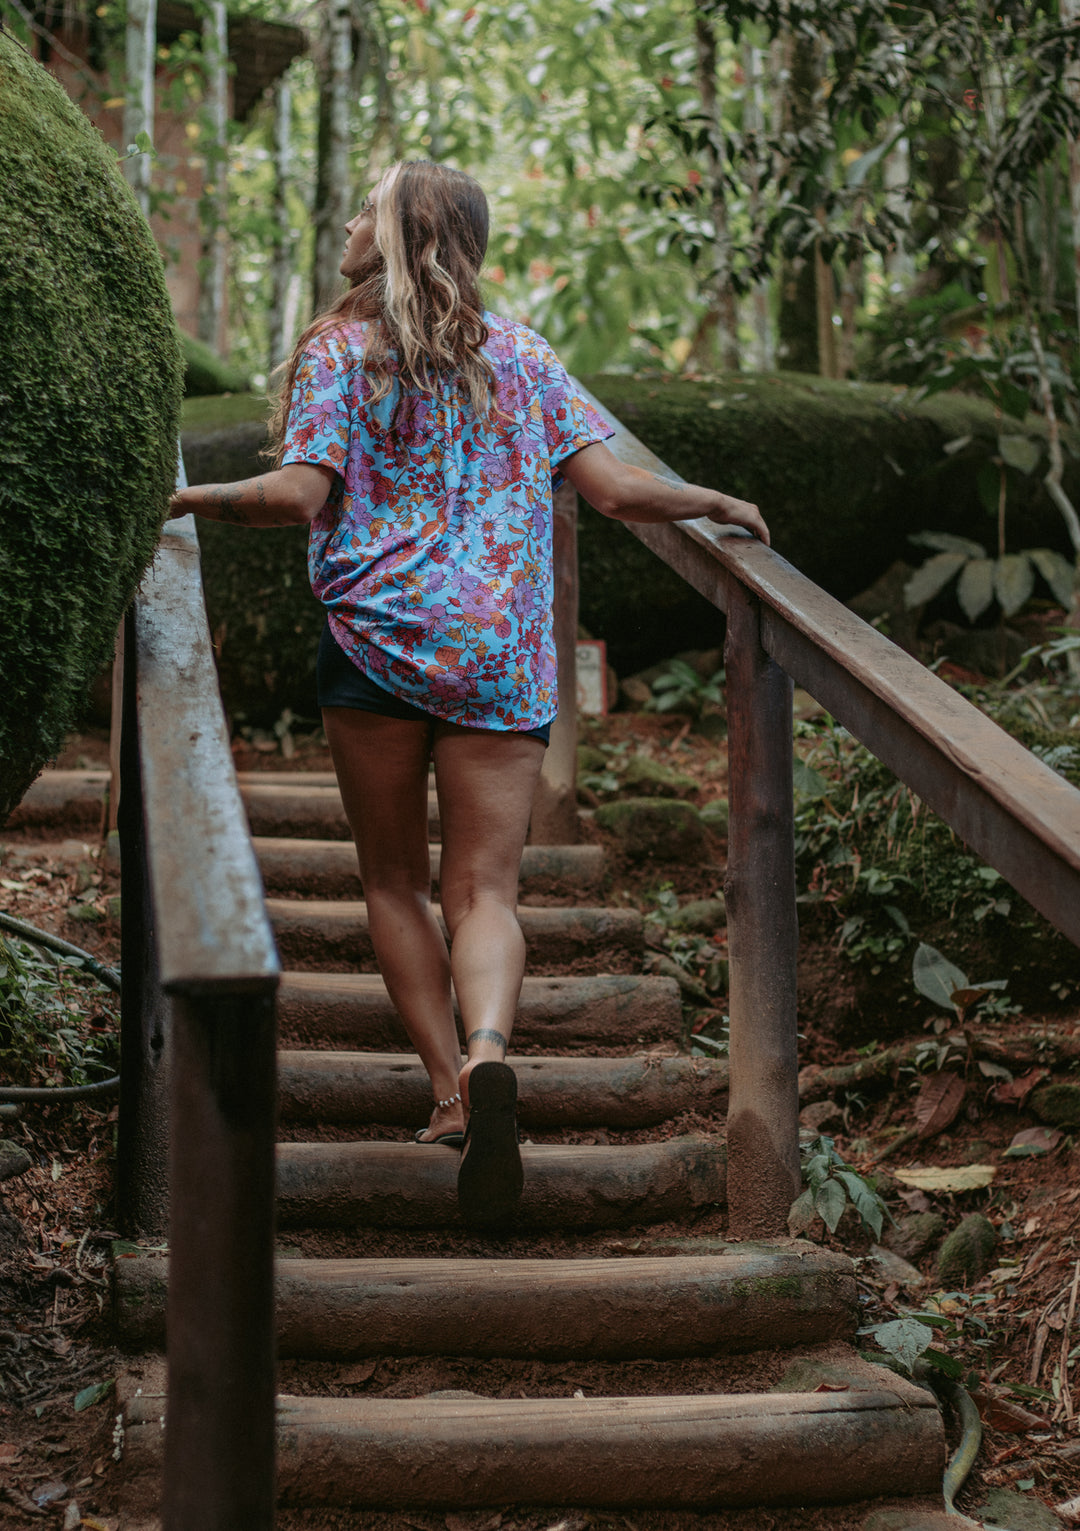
(988, 484)
(945, 542)
(1057, 571)
(935, 977)
(931, 577)
(975, 588)
(809, 782)
(1014, 580)
(1022, 452)
(957, 444)
(964, 1177)
(830, 1202)
(1014, 400)
(905, 1339)
(93, 1394)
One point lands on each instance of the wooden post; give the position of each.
(763, 1109)
(219, 1446)
(554, 814)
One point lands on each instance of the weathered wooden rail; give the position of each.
(201, 971)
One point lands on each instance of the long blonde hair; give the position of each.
(417, 286)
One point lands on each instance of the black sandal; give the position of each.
(490, 1176)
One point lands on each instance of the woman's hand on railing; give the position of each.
(733, 512)
(629, 493)
(288, 496)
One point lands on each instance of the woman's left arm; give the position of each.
(289, 496)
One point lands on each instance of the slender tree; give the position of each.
(333, 187)
(281, 274)
(721, 318)
(140, 48)
(214, 203)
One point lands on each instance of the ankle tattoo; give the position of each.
(487, 1034)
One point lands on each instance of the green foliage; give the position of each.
(681, 689)
(869, 850)
(944, 985)
(831, 1186)
(52, 1028)
(1008, 579)
(89, 404)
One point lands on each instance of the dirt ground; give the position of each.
(1013, 1332)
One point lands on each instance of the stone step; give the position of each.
(408, 1185)
(327, 868)
(304, 812)
(63, 800)
(394, 1089)
(321, 934)
(744, 1297)
(702, 1452)
(562, 1014)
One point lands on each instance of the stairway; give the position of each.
(609, 1350)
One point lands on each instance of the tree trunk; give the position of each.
(754, 122)
(214, 207)
(797, 320)
(899, 265)
(1070, 17)
(721, 293)
(333, 189)
(140, 51)
(281, 270)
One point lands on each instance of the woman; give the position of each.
(419, 436)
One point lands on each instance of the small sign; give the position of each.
(592, 697)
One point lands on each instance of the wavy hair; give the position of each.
(417, 287)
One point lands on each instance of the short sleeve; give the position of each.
(320, 411)
(570, 421)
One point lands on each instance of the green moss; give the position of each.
(205, 374)
(216, 413)
(843, 472)
(89, 404)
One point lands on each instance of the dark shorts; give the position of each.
(342, 684)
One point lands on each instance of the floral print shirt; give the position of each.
(433, 553)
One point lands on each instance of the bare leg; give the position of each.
(485, 782)
(382, 769)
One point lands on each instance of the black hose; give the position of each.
(104, 975)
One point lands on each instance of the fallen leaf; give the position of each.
(361, 1372)
(1014, 1092)
(476, 1522)
(833, 1387)
(1033, 1140)
(8, 1451)
(963, 1177)
(92, 1394)
(938, 1102)
(49, 1493)
(1001, 1413)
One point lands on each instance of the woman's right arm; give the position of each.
(632, 494)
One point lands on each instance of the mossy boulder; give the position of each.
(844, 472)
(655, 828)
(1058, 1105)
(644, 777)
(206, 373)
(914, 1234)
(968, 1252)
(90, 382)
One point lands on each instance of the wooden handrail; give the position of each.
(1017, 814)
(198, 1052)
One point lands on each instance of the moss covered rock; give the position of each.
(843, 472)
(90, 381)
(968, 1252)
(644, 777)
(1058, 1105)
(655, 828)
(205, 372)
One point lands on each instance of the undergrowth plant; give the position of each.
(831, 1187)
(53, 1027)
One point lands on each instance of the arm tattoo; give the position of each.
(227, 498)
(487, 1034)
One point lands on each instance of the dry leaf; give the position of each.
(963, 1177)
(361, 1372)
(1001, 1413)
(938, 1102)
(475, 1522)
(1033, 1140)
(833, 1387)
(1014, 1092)
(8, 1451)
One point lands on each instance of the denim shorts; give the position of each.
(340, 683)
